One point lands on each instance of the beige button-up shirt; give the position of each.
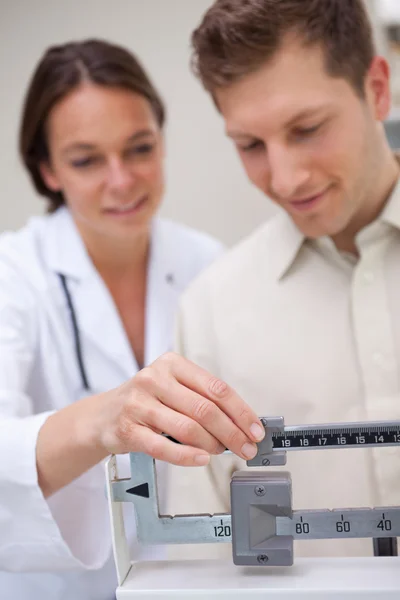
(304, 332)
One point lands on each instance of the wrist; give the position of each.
(89, 427)
(68, 445)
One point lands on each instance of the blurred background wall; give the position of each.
(206, 184)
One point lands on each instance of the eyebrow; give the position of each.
(143, 133)
(307, 112)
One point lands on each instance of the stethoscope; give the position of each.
(76, 333)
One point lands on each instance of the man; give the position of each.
(302, 318)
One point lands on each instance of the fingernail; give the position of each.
(202, 460)
(249, 450)
(257, 431)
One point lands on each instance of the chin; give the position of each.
(312, 231)
(316, 228)
(136, 226)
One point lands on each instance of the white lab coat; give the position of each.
(66, 538)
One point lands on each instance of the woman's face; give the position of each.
(106, 157)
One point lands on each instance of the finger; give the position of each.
(159, 447)
(210, 416)
(159, 417)
(216, 390)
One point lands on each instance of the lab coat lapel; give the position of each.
(97, 316)
(101, 325)
(164, 286)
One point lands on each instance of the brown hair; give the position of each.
(236, 37)
(61, 70)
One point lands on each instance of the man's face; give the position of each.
(306, 139)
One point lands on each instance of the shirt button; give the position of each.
(368, 277)
(379, 359)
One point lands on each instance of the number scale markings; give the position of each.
(346, 435)
(327, 524)
(341, 523)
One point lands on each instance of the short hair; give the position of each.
(61, 70)
(236, 37)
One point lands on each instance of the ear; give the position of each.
(377, 88)
(49, 177)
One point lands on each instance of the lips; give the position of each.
(307, 203)
(126, 209)
(305, 200)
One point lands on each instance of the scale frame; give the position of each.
(375, 578)
(331, 578)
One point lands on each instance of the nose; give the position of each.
(120, 176)
(287, 175)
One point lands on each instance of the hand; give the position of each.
(178, 398)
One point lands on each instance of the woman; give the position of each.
(87, 298)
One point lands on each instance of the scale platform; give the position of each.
(308, 579)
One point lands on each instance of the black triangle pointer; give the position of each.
(140, 490)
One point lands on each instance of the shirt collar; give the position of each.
(287, 242)
(388, 222)
(67, 253)
(391, 212)
(64, 246)
(289, 239)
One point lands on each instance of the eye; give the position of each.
(255, 145)
(142, 149)
(306, 131)
(81, 163)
